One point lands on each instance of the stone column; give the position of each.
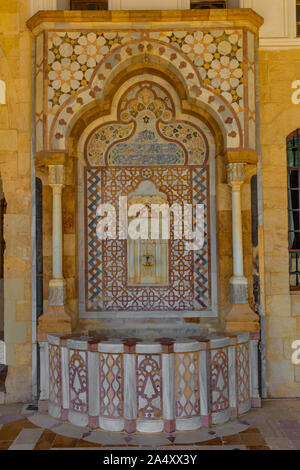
(241, 317)
(57, 286)
(56, 319)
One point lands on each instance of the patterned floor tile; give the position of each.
(263, 429)
(69, 431)
(45, 441)
(64, 442)
(5, 445)
(27, 439)
(277, 443)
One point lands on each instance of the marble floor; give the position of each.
(276, 426)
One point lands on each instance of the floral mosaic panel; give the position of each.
(149, 386)
(78, 381)
(72, 59)
(212, 63)
(187, 387)
(217, 55)
(111, 385)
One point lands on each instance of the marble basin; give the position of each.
(149, 385)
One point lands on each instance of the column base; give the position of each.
(43, 406)
(55, 320)
(242, 319)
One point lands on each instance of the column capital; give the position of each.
(235, 173)
(56, 175)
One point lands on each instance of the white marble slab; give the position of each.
(78, 419)
(144, 425)
(148, 348)
(188, 424)
(27, 439)
(186, 346)
(110, 424)
(114, 347)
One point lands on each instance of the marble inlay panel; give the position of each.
(54, 374)
(187, 387)
(149, 386)
(111, 385)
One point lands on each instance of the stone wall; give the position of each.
(15, 70)
(279, 117)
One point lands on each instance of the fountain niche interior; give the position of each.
(155, 358)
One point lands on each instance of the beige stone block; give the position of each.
(297, 374)
(281, 92)
(69, 266)
(224, 222)
(275, 198)
(275, 219)
(275, 177)
(14, 289)
(295, 304)
(16, 223)
(18, 245)
(271, 132)
(246, 197)
(18, 200)
(277, 264)
(281, 71)
(4, 120)
(280, 372)
(24, 142)
(225, 245)
(276, 242)
(8, 21)
(274, 155)
(224, 198)
(23, 354)
(275, 349)
(283, 390)
(18, 384)
(24, 164)
(287, 347)
(14, 332)
(280, 327)
(10, 353)
(20, 116)
(270, 109)
(23, 311)
(278, 305)
(8, 140)
(69, 245)
(15, 266)
(280, 283)
(23, 89)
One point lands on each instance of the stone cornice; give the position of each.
(244, 17)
